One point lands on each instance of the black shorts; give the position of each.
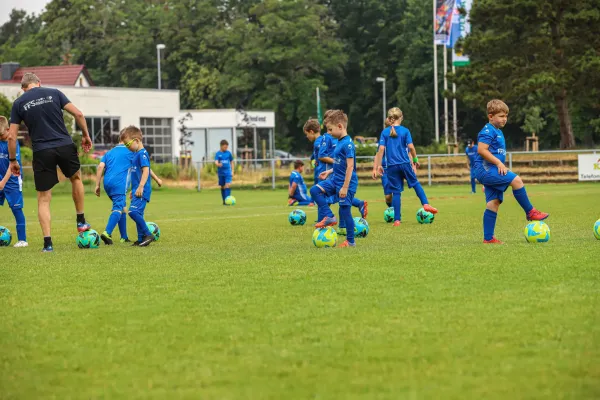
(46, 161)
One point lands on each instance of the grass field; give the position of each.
(234, 303)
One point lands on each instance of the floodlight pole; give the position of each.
(382, 81)
(159, 47)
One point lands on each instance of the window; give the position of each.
(158, 133)
(104, 131)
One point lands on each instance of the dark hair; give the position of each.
(469, 142)
(312, 125)
(298, 164)
(224, 142)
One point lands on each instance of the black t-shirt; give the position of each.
(41, 109)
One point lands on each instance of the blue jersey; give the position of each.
(118, 164)
(327, 148)
(300, 192)
(471, 152)
(41, 110)
(343, 151)
(14, 182)
(225, 158)
(141, 159)
(493, 137)
(320, 166)
(396, 147)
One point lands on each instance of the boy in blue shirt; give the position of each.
(394, 142)
(297, 190)
(471, 152)
(11, 186)
(312, 130)
(140, 184)
(344, 182)
(225, 166)
(491, 172)
(385, 183)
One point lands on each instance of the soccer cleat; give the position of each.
(291, 202)
(430, 209)
(21, 243)
(397, 223)
(347, 244)
(83, 226)
(342, 231)
(311, 204)
(535, 215)
(125, 240)
(136, 243)
(146, 240)
(327, 221)
(364, 210)
(106, 238)
(493, 241)
(48, 249)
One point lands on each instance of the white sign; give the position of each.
(589, 167)
(260, 119)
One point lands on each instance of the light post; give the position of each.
(159, 47)
(382, 81)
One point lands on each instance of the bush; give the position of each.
(365, 150)
(166, 171)
(26, 155)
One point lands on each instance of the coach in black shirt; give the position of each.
(41, 110)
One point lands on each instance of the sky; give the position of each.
(35, 6)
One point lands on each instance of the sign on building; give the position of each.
(589, 167)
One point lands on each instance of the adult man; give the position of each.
(41, 110)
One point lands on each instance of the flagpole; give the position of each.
(319, 106)
(454, 106)
(435, 81)
(445, 91)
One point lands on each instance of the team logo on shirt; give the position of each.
(37, 102)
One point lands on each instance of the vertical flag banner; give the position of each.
(319, 116)
(463, 28)
(443, 21)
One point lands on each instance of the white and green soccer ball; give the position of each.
(325, 237)
(361, 227)
(388, 214)
(230, 200)
(597, 229)
(537, 232)
(425, 217)
(154, 230)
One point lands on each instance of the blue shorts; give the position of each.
(119, 202)
(14, 197)
(385, 182)
(138, 204)
(224, 179)
(495, 184)
(331, 190)
(397, 174)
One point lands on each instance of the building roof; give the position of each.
(54, 75)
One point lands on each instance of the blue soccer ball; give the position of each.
(154, 230)
(297, 217)
(537, 232)
(325, 237)
(5, 237)
(388, 215)
(361, 227)
(425, 217)
(88, 240)
(597, 229)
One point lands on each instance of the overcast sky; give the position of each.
(35, 6)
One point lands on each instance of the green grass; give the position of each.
(234, 303)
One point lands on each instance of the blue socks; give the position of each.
(123, 226)
(142, 229)
(319, 197)
(523, 199)
(227, 192)
(473, 185)
(346, 218)
(113, 220)
(357, 203)
(223, 194)
(396, 203)
(20, 219)
(421, 193)
(489, 224)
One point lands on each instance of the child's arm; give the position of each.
(326, 160)
(140, 189)
(323, 175)
(413, 154)
(292, 189)
(483, 150)
(156, 178)
(377, 168)
(5, 179)
(232, 167)
(349, 170)
(99, 172)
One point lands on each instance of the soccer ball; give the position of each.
(297, 217)
(424, 217)
(596, 229)
(5, 237)
(325, 237)
(88, 240)
(388, 215)
(361, 227)
(537, 232)
(230, 200)
(154, 230)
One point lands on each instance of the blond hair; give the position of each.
(28, 79)
(131, 132)
(3, 124)
(496, 107)
(326, 115)
(312, 125)
(394, 114)
(338, 117)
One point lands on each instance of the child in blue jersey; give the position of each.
(297, 192)
(11, 186)
(343, 183)
(471, 152)
(140, 183)
(491, 172)
(225, 166)
(312, 130)
(116, 166)
(385, 182)
(394, 142)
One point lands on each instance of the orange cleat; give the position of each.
(327, 221)
(347, 244)
(430, 209)
(291, 202)
(535, 215)
(493, 241)
(397, 223)
(364, 209)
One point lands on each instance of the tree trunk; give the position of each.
(567, 140)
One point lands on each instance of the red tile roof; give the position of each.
(65, 75)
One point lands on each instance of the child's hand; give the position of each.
(343, 192)
(219, 164)
(139, 192)
(159, 182)
(502, 170)
(97, 190)
(323, 175)
(2, 184)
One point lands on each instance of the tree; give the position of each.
(5, 106)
